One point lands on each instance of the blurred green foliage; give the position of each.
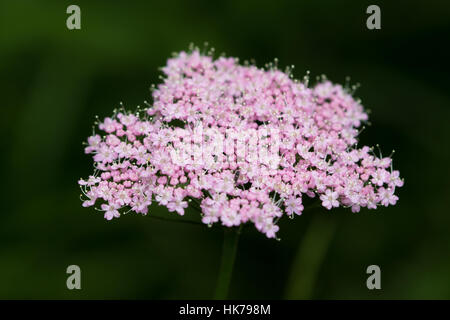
(54, 81)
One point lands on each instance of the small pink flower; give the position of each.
(105, 154)
(111, 211)
(177, 205)
(108, 125)
(93, 143)
(387, 197)
(329, 199)
(293, 205)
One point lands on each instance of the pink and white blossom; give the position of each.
(281, 140)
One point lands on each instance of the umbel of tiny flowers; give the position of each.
(318, 156)
(315, 129)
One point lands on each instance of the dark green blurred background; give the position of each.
(54, 81)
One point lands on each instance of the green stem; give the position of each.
(310, 255)
(229, 249)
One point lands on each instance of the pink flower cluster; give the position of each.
(317, 154)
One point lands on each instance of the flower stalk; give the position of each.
(230, 242)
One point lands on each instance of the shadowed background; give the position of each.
(54, 81)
